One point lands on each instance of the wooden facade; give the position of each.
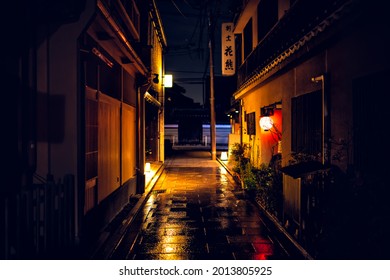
(319, 59)
(84, 71)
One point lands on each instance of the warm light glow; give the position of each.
(266, 123)
(168, 81)
(224, 156)
(223, 171)
(147, 167)
(169, 249)
(279, 147)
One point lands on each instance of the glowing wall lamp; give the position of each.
(266, 112)
(168, 81)
(266, 123)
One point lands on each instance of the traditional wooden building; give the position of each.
(317, 70)
(81, 73)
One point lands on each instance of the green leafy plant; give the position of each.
(264, 183)
(239, 152)
(249, 178)
(270, 188)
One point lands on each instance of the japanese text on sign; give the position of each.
(228, 49)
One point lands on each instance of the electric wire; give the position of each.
(177, 8)
(39, 178)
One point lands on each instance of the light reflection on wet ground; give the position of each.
(195, 211)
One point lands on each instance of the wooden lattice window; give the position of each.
(306, 125)
(251, 123)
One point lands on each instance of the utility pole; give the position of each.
(212, 107)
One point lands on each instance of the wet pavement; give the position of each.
(196, 211)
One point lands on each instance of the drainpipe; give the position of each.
(324, 118)
(161, 118)
(241, 122)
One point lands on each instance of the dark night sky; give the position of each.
(186, 27)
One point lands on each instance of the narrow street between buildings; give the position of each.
(197, 211)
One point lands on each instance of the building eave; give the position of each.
(245, 15)
(279, 62)
(122, 39)
(156, 18)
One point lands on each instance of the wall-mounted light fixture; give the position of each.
(266, 122)
(168, 81)
(233, 111)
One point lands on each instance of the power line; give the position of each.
(177, 8)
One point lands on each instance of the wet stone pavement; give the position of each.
(196, 211)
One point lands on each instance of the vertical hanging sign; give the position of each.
(228, 49)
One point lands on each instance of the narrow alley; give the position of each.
(196, 211)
